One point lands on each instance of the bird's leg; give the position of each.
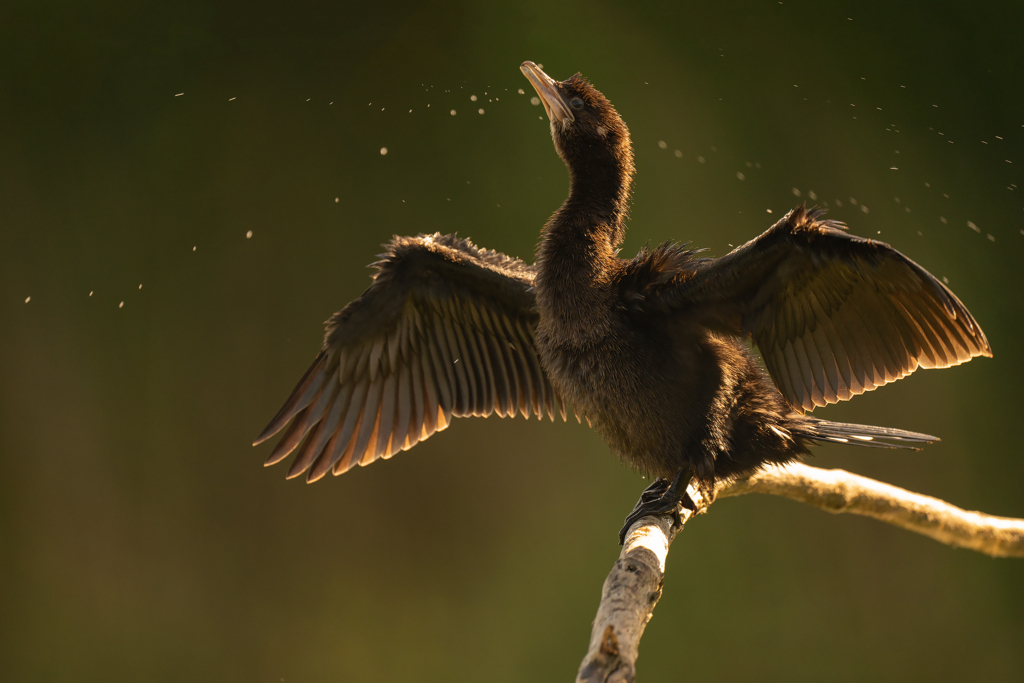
(659, 498)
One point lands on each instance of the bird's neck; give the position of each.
(576, 258)
(590, 224)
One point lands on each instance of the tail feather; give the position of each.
(862, 435)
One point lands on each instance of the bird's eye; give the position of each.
(576, 103)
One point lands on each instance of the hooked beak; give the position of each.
(547, 88)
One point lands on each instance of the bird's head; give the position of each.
(584, 125)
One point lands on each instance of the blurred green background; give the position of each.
(140, 536)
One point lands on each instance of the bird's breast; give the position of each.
(596, 366)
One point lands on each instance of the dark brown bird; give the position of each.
(650, 350)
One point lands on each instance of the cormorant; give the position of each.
(649, 350)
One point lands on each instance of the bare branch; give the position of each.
(628, 597)
(630, 592)
(840, 491)
(633, 586)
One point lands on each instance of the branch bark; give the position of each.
(633, 586)
(839, 491)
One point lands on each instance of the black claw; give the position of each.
(661, 506)
(660, 498)
(653, 492)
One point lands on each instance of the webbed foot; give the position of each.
(660, 498)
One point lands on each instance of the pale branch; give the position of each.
(838, 491)
(629, 595)
(633, 586)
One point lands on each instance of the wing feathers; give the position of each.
(434, 380)
(403, 407)
(316, 441)
(830, 385)
(418, 402)
(290, 440)
(445, 330)
(342, 435)
(834, 315)
(388, 403)
(452, 355)
(301, 397)
(368, 420)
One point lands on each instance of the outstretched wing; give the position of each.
(834, 315)
(446, 329)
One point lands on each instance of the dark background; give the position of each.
(140, 537)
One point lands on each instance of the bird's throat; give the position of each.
(576, 258)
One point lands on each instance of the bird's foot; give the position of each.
(653, 492)
(652, 508)
(660, 498)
